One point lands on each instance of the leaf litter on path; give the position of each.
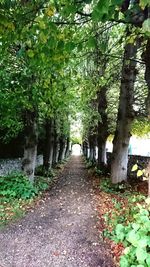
(61, 231)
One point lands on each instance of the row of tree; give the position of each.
(36, 90)
(59, 58)
(118, 65)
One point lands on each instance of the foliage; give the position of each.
(136, 238)
(16, 186)
(128, 224)
(89, 164)
(40, 171)
(108, 187)
(17, 194)
(123, 212)
(141, 127)
(142, 173)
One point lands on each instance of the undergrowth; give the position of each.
(17, 193)
(128, 223)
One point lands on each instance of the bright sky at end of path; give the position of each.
(76, 150)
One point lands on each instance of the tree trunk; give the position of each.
(146, 58)
(102, 128)
(30, 148)
(67, 147)
(62, 143)
(85, 149)
(92, 147)
(49, 144)
(125, 116)
(102, 155)
(55, 149)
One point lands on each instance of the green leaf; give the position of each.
(144, 3)
(133, 238)
(143, 242)
(141, 255)
(30, 53)
(124, 262)
(80, 47)
(70, 46)
(42, 25)
(148, 260)
(116, 2)
(135, 226)
(146, 26)
(120, 231)
(101, 9)
(103, 47)
(91, 42)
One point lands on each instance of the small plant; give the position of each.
(16, 185)
(135, 236)
(42, 183)
(122, 212)
(89, 164)
(41, 171)
(17, 193)
(108, 187)
(98, 171)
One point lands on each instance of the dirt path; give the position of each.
(61, 232)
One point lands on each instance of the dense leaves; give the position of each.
(63, 61)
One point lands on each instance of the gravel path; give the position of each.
(61, 232)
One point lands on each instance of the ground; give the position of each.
(61, 231)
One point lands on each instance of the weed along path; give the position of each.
(61, 231)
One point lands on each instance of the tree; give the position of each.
(125, 115)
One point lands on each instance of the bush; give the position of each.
(17, 194)
(42, 183)
(108, 187)
(135, 236)
(40, 171)
(16, 185)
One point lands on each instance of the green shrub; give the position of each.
(89, 164)
(136, 238)
(108, 187)
(16, 185)
(41, 171)
(42, 183)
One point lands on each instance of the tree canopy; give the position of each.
(62, 58)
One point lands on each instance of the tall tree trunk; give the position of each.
(67, 147)
(92, 147)
(102, 155)
(49, 144)
(85, 149)
(102, 128)
(62, 143)
(55, 148)
(30, 147)
(146, 57)
(125, 116)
